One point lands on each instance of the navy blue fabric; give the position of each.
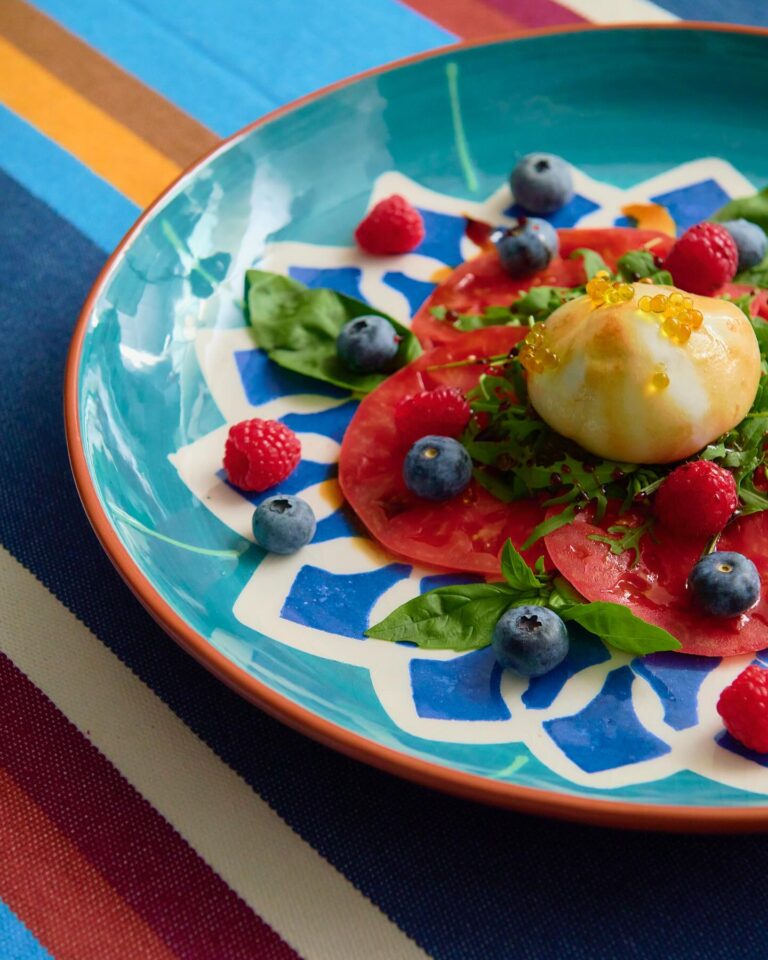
(465, 881)
(751, 12)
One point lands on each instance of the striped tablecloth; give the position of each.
(145, 810)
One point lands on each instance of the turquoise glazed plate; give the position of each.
(162, 363)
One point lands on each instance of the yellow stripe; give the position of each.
(101, 143)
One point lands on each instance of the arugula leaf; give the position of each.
(449, 618)
(540, 302)
(516, 571)
(533, 307)
(494, 316)
(619, 627)
(593, 262)
(638, 264)
(298, 326)
(754, 209)
(625, 538)
(551, 524)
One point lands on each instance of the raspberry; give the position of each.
(393, 226)
(744, 708)
(703, 259)
(443, 412)
(260, 453)
(697, 498)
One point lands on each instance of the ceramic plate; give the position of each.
(162, 364)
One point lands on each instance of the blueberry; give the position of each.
(283, 524)
(367, 344)
(527, 247)
(724, 584)
(437, 468)
(530, 640)
(542, 183)
(750, 241)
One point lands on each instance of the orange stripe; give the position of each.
(58, 895)
(111, 150)
(470, 21)
(119, 94)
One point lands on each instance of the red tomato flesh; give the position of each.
(482, 282)
(655, 587)
(465, 533)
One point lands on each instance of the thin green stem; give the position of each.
(499, 360)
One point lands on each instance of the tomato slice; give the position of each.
(759, 304)
(483, 282)
(655, 587)
(466, 533)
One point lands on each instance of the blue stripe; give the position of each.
(466, 882)
(228, 62)
(16, 942)
(751, 12)
(65, 184)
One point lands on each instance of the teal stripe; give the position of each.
(16, 942)
(228, 62)
(68, 186)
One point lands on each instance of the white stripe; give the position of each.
(619, 11)
(305, 899)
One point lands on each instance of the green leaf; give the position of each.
(563, 594)
(756, 276)
(760, 327)
(593, 262)
(638, 264)
(625, 538)
(753, 208)
(540, 302)
(298, 327)
(516, 571)
(494, 484)
(449, 618)
(549, 525)
(619, 627)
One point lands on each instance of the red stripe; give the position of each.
(468, 20)
(63, 900)
(536, 13)
(152, 868)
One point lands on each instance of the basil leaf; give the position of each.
(563, 594)
(619, 627)
(593, 262)
(449, 618)
(754, 209)
(516, 571)
(298, 326)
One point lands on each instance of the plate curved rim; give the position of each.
(607, 813)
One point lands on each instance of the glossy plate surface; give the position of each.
(162, 363)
